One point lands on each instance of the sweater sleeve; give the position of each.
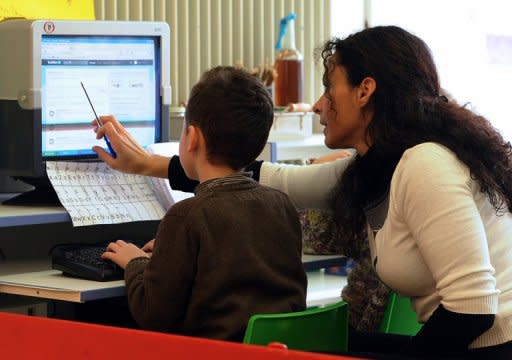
(308, 186)
(158, 289)
(177, 177)
(447, 333)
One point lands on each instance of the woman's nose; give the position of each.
(317, 106)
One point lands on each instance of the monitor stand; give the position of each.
(36, 197)
(42, 194)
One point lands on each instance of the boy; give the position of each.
(234, 249)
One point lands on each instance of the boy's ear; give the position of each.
(191, 138)
(193, 135)
(366, 90)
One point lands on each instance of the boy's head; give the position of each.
(234, 112)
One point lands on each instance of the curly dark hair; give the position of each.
(234, 111)
(408, 110)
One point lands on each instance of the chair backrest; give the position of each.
(399, 317)
(322, 329)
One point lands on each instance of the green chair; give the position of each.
(321, 329)
(399, 318)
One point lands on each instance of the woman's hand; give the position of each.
(131, 157)
(330, 157)
(122, 252)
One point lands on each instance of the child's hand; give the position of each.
(122, 252)
(148, 247)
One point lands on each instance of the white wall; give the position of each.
(206, 33)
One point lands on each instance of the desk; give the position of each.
(36, 279)
(25, 229)
(316, 262)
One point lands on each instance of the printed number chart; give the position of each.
(93, 193)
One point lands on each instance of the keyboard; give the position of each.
(84, 261)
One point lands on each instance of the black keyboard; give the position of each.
(84, 261)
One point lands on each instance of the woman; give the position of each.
(431, 188)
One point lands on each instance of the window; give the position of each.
(471, 42)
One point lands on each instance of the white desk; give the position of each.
(324, 289)
(35, 279)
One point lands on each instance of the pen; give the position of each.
(98, 121)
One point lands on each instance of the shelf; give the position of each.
(13, 215)
(310, 147)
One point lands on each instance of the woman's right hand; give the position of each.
(130, 156)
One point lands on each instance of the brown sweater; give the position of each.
(230, 252)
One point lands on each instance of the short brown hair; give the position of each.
(234, 112)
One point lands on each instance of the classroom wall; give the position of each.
(206, 33)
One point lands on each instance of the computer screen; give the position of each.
(44, 112)
(122, 77)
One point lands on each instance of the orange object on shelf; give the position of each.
(299, 107)
(289, 65)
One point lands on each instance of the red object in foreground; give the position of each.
(30, 337)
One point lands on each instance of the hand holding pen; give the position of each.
(99, 123)
(131, 157)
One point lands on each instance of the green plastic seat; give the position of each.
(399, 317)
(321, 329)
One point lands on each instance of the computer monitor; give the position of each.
(44, 113)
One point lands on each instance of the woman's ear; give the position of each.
(366, 90)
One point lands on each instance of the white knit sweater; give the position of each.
(441, 242)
